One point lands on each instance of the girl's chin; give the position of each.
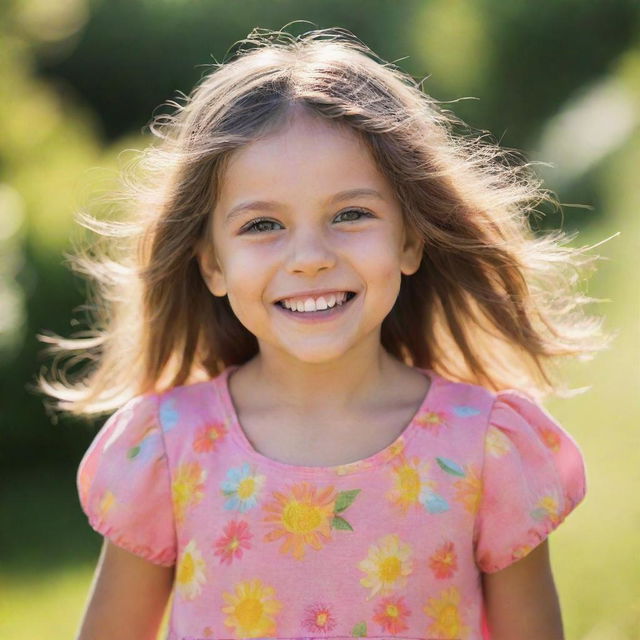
(314, 348)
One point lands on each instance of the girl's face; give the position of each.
(312, 235)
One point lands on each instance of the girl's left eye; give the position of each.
(253, 225)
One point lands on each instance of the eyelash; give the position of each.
(253, 223)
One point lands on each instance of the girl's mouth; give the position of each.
(318, 316)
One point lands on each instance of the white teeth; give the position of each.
(319, 304)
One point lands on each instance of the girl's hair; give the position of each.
(490, 304)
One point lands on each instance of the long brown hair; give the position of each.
(492, 303)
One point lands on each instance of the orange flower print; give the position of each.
(446, 622)
(469, 490)
(209, 437)
(207, 632)
(551, 439)
(432, 420)
(236, 538)
(408, 477)
(187, 488)
(394, 449)
(303, 516)
(391, 614)
(387, 566)
(318, 619)
(443, 563)
(496, 443)
(250, 609)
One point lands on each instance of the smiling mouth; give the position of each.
(336, 307)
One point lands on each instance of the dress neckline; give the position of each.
(373, 461)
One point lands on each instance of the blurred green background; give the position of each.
(79, 82)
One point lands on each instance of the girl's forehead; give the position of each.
(298, 135)
(305, 156)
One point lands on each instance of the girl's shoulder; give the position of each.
(189, 405)
(508, 420)
(127, 478)
(472, 399)
(527, 471)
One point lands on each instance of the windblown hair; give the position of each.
(492, 303)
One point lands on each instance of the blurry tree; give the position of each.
(78, 75)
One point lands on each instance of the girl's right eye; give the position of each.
(256, 222)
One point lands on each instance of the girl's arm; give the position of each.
(128, 597)
(521, 599)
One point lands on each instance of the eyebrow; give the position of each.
(270, 205)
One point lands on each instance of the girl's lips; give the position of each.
(318, 316)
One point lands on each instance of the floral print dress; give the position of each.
(390, 546)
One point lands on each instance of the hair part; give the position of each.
(490, 304)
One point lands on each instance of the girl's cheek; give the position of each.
(257, 251)
(378, 251)
(244, 259)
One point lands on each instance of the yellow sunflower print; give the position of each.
(387, 566)
(496, 443)
(107, 502)
(303, 516)
(190, 572)
(187, 488)
(250, 609)
(408, 477)
(469, 490)
(446, 620)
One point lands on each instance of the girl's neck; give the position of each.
(349, 386)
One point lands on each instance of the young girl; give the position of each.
(326, 342)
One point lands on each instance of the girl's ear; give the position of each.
(412, 250)
(211, 272)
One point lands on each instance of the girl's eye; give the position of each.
(360, 212)
(254, 225)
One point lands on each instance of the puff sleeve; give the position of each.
(124, 484)
(533, 476)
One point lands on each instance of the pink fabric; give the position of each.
(389, 546)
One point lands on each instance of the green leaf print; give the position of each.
(359, 630)
(345, 498)
(340, 523)
(133, 452)
(451, 467)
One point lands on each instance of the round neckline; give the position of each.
(373, 461)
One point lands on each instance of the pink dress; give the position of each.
(390, 546)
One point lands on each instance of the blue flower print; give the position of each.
(242, 488)
(168, 414)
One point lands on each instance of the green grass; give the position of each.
(47, 607)
(48, 555)
(596, 551)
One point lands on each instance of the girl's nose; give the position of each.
(309, 251)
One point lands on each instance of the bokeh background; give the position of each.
(79, 82)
